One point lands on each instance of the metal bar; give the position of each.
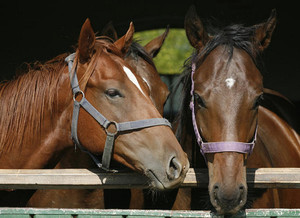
(94, 178)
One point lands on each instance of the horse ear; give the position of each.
(153, 47)
(86, 41)
(110, 31)
(194, 28)
(123, 44)
(263, 32)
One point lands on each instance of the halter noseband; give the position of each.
(216, 147)
(110, 136)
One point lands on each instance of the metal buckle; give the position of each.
(77, 94)
(115, 126)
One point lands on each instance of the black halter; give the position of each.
(110, 138)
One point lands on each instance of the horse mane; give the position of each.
(101, 42)
(26, 99)
(136, 50)
(232, 36)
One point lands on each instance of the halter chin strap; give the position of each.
(216, 147)
(105, 123)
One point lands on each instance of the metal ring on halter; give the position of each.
(76, 94)
(116, 127)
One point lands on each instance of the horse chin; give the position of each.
(158, 180)
(221, 210)
(225, 212)
(154, 181)
(158, 184)
(161, 180)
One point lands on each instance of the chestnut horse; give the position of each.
(40, 115)
(220, 113)
(140, 60)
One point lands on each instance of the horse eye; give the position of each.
(257, 102)
(199, 100)
(113, 93)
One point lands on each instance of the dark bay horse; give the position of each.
(140, 60)
(38, 126)
(223, 88)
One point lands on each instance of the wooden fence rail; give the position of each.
(90, 179)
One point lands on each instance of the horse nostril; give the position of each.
(215, 192)
(242, 189)
(216, 187)
(243, 193)
(174, 169)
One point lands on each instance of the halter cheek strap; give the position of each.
(105, 123)
(216, 147)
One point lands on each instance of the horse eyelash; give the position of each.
(112, 93)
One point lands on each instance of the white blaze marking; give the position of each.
(230, 82)
(132, 78)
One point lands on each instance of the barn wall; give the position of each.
(40, 30)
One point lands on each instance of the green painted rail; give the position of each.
(93, 213)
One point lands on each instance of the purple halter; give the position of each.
(215, 147)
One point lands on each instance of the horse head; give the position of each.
(226, 87)
(113, 88)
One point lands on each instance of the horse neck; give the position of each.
(35, 121)
(278, 145)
